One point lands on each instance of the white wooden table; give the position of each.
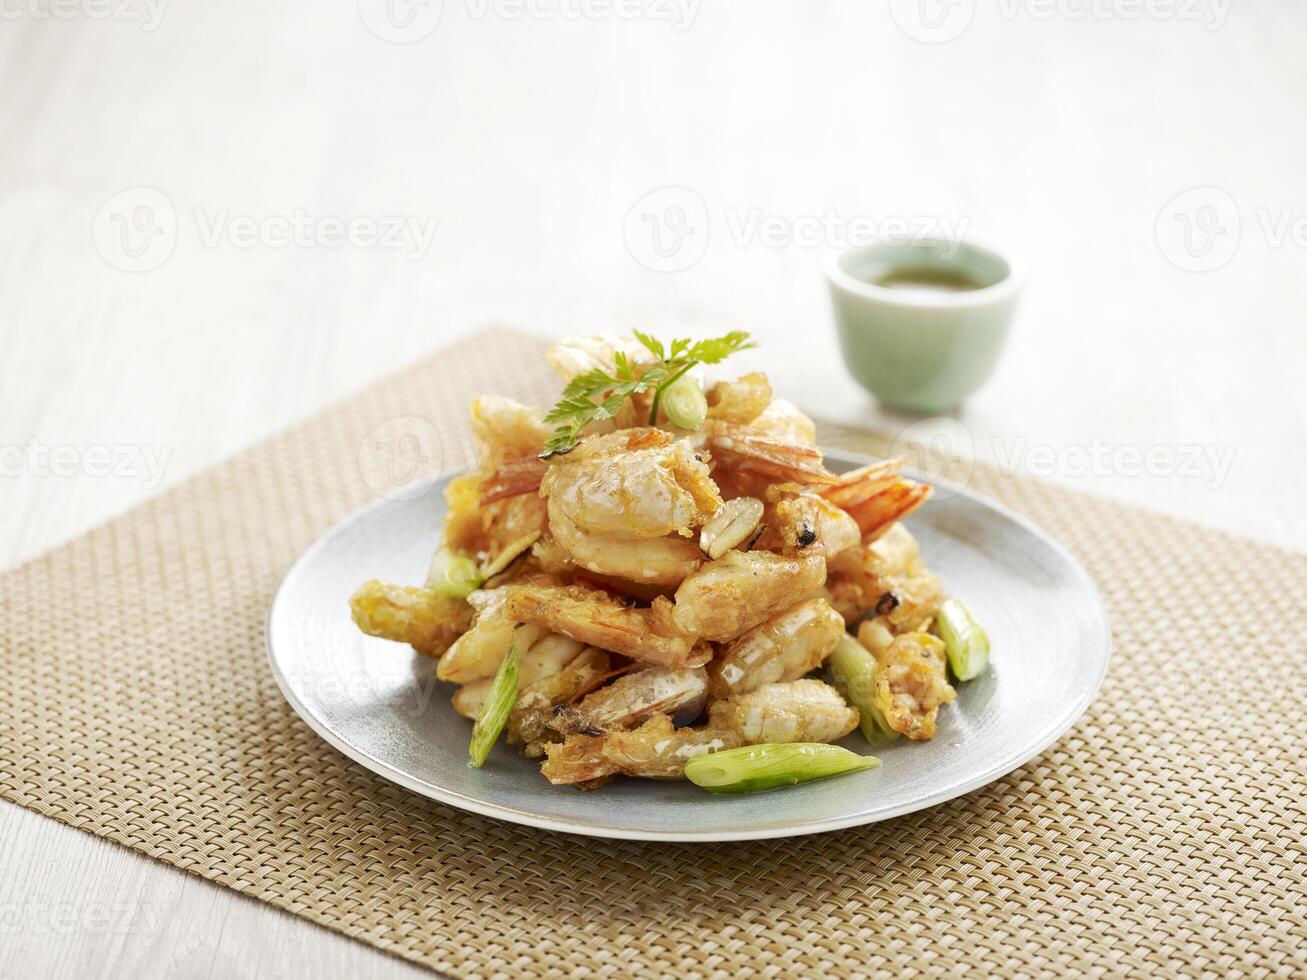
(248, 160)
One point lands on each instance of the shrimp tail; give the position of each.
(748, 449)
(878, 514)
(514, 478)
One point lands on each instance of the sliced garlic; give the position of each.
(734, 521)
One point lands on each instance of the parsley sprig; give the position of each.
(596, 394)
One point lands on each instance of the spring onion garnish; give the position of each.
(453, 574)
(495, 711)
(853, 669)
(596, 394)
(965, 640)
(759, 767)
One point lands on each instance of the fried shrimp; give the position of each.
(514, 478)
(477, 525)
(578, 760)
(669, 562)
(528, 725)
(427, 622)
(632, 698)
(646, 561)
(800, 711)
(596, 618)
(625, 504)
(740, 590)
(636, 483)
(547, 656)
(912, 683)
(808, 524)
(739, 401)
(783, 422)
(655, 750)
(782, 649)
(886, 581)
(505, 429)
(478, 653)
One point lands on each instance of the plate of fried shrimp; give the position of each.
(658, 610)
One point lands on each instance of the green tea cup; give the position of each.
(922, 324)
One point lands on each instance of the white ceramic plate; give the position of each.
(380, 704)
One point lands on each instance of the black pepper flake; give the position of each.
(886, 604)
(806, 536)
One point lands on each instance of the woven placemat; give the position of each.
(1165, 833)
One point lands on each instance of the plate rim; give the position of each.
(787, 829)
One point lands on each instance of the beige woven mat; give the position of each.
(1165, 833)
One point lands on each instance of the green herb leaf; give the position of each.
(652, 343)
(714, 351)
(596, 394)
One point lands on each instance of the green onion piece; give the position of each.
(853, 671)
(495, 710)
(759, 767)
(453, 574)
(684, 403)
(965, 640)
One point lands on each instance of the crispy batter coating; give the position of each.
(805, 710)
(595, 617)
(784, 648)
(655, 750)
(740, 401)
(912, 684)
(419, 617)
(740, 590)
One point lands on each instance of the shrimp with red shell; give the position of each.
(876, 496)
(751, 456)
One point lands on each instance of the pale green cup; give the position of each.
(924, 350)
